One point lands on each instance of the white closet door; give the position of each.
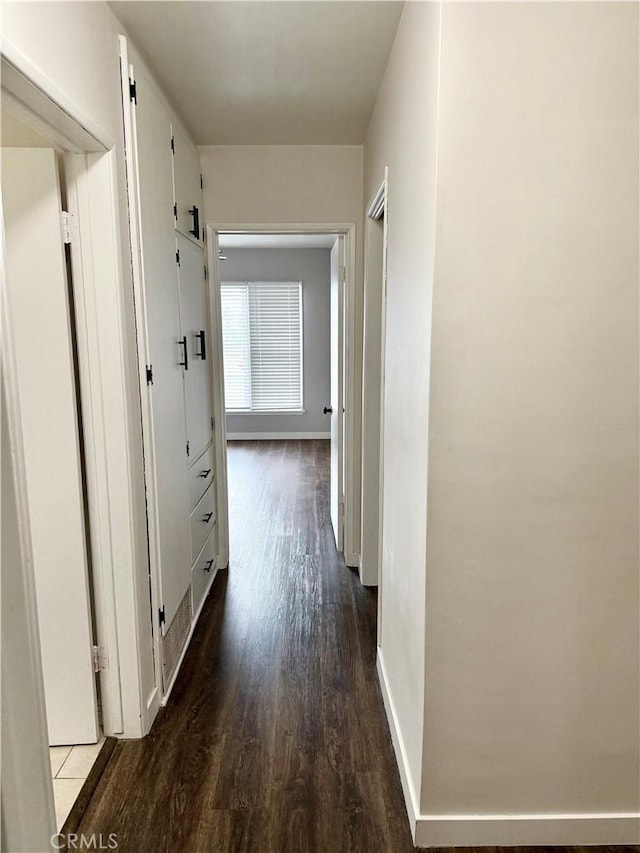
(194, 308)
(187, 188)
(337, 399)
(164, 346)
(38, 292)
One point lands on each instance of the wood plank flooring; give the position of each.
(275, 738)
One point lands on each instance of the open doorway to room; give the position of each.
(284, 314)
(41, 292)
(57, 207)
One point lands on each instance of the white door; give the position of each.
(194, 314)
(39, 306)
(166, 349)
(336, 409)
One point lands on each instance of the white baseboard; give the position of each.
(545, 830)
(352, 560)
(269, 436)
(410, 798)
(548, 830)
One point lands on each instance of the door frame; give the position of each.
(378, 209)
(106, 395)
(351, 451)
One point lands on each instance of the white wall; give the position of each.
(311, 267)
(75, 46)
(292, 184)
(510, 629)
(402, 136)
(532, 552)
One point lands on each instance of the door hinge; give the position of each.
(149, 374)
(161, 616)
(343, 275)
(212, 427)
(66, 223)
(175, 210)
(178, 257)
(188, 448)
(173, 144)
(205, 272)
(133, 91)
(201, 182)
(99, 659)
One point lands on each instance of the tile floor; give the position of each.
(70, 766)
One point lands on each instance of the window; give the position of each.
(262, 345)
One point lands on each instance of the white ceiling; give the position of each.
(267, 73)
(276, 241)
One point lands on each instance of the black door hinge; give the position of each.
(212, 424)
(201, 182)
(178, 257)
(149, 374)
(161, 616)
(205, 272)
(175, 210)
(188, 447)
(173, 144)
(133, 92)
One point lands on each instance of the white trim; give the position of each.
(410, 797)
(376, 209)
(88, 322)
(494, 830)
(271, 436)
(142, 340)
(348, 231)
(50, 105)
(547, 830)
(217, 398)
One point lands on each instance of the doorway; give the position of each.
(61, 461)
(375, 283)
(284, 312)
(41, 294)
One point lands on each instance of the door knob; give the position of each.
(328, 410)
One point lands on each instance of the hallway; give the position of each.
(275, 737)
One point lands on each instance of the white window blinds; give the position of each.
(262, 345)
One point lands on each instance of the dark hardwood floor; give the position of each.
(275, 738)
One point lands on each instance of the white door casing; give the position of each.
(337, 399)
(38, 292)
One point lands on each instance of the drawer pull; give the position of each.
(185, 353)
(207, 565)
(195, 231)
(207, 518)
(200, 337)
(204, 474)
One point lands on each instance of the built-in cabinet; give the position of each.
(176, 376)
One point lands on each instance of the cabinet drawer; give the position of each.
(203, 519)
(202, 572)
(200, 476)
